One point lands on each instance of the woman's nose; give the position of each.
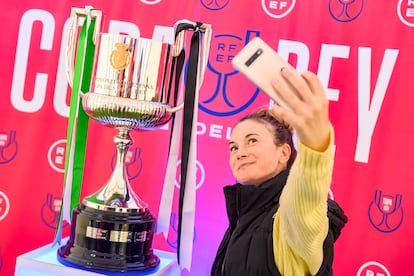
(241, 152)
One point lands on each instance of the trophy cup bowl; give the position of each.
(113, 229)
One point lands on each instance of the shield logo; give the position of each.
(388, 205)
(120, 58)
(405, 12)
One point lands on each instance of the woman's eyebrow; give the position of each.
(251, 134)
(247, 136)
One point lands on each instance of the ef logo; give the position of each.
(386, 212)
(151, 2)
(373, 269)
(278, 9)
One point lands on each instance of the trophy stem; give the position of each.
(113, 228)
(117, 193)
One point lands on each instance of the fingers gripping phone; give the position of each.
(261, 64)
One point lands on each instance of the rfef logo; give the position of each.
(4, 205)
(220, 100)
(405, 12)
(200, 175)
(56, 155)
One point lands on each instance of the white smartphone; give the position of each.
(261, 64)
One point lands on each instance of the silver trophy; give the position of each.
(113, 229)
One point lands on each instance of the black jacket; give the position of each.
(247, 246)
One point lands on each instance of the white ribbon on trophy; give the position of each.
(186, 236)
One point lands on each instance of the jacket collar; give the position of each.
(242, 199)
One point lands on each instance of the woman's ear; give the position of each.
(286, 151)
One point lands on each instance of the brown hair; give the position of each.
(282, 131)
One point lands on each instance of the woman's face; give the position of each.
(254, 157)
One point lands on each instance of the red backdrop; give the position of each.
(362, 50)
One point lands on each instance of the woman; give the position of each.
(278, 210)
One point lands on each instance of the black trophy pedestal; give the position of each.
(110, 240)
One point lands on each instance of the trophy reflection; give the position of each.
(113, 229)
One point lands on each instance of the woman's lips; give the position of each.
(244, 165)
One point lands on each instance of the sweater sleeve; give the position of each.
(301, 223)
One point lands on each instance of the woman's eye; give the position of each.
(251, 141)
(233, 148)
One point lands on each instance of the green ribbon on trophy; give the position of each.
(77, 124)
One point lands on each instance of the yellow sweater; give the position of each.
(301, 223)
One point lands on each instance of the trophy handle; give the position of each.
(73, 35)
(176, 108)
(180, 39)
(179, 46)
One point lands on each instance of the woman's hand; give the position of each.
(309, 113)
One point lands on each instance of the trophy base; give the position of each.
(109, 240)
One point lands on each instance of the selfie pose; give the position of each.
(280, 220)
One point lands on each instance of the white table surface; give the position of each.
(44, 262)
